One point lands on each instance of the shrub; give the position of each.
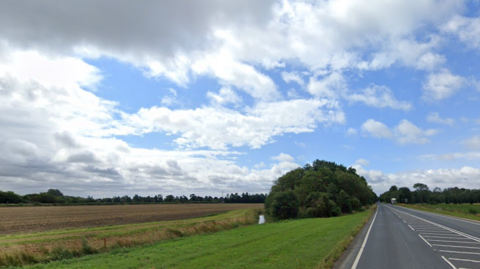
(472, 211)
(282, 205)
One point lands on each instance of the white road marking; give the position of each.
(446, 228)
(464, 260)
(425, 240)
(460, 252)
(446, 237)
(453, 266)
(411, 227)
(450, 246)
(357, 259)
(463, 242)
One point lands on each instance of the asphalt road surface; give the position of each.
(398, 238)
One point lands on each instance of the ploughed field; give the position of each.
(45, 218)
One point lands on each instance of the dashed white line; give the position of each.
(411, 227)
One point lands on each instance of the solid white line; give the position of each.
(450, 246)
(425, 240)
(460, 252)
(463, 260)
(449, 263)
(357, 259)
(463, 242)
(432, 233)
(446, 237)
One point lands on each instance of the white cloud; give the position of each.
(243, 76)
(472, 143)
(464, 177)
(351, 132)
(362, 162)
(217, 128)
(442, 85)
(404, 133)
(293, 77)
(283, 157)
(435, 118)
(471, 155)
(376, 129)
(331, 86)
(467, 30)
(408, 133)
(378, 96)
(300, 144)
(224, 96)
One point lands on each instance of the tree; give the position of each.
(282, 205)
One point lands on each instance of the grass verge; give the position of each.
(307, 243)
(19, 250)
(466, 211)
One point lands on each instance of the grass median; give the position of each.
(307, 243)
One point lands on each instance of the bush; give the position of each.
(282, 205)
(472, 211)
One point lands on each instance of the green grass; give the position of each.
(288, 244)
(466, 211)
(23, 249)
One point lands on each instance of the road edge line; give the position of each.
(453, 266)
(357, 259)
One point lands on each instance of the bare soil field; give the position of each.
(46, 218)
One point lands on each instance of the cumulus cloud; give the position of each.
(330, 86)
(443, 178)
(376, 129)
(378, 96)
(160, 38)
(217, 128)
(282, 157)
(435, 118)
(224, 96)
(442, 85)
(351, 132)
(466, 29)
(293, 77)
(404, 133)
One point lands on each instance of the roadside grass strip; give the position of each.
(458, 249)
(306, 243)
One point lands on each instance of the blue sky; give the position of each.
(208, 97)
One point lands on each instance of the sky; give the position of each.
(107, 98)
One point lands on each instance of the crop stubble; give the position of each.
(46, 218)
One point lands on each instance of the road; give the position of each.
(398, 238)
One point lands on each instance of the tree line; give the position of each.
(320, 189)
(55, 196)
(422, 194)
